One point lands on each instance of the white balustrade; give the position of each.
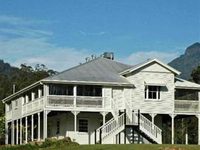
(60, 100)
(111, 126)
(150, 129)
(186, 106)
(33, 106)
(68, 101)
(88, 101)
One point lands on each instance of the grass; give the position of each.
(127, 147)
(106, 147)
(67, 144)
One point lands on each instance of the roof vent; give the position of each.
(108, 55)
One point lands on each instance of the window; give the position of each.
(152, 92)
(59, 89)
(89, 90)
(83, 125)
(36, 93)
(58, 127)
(183, 94)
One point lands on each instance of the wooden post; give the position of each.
(133, 134)
(133, 119)
(198, 116)
(100, 135)
(125, 126)
(119, 112)
(138, 126)
(32, 127)
(119, 137)
(172, 126)
(95, 136)
(17, 131)
(139, 118)
(26, 132)
(20, 131)
(44, 124)
(6, 132)
(75, 94)
(39, 126)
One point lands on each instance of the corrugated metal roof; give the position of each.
(181, 83)
(97, 70)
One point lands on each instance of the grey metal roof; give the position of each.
(98, 70)
(184, 84)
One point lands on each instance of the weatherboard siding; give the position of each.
(155, 68)
(107, 95)
(118, 97)
(17, 109)
(166, 102)
(66, 127)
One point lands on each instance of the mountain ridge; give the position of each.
(188, 61)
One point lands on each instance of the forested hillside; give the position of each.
(20, 77)
(188, 61)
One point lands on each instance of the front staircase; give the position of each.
(106, 134)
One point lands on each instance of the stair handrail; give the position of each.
(143, 120)
(151, 129)
(98, 129)
(110, 126)
(113, 125)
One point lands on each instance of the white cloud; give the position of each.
(22, 44)
(22, 41)
(25, 32)
(34, 51)
(59, 59)
(141, 56)
(92, 33)
(12, 20)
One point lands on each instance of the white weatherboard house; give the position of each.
(102, 101)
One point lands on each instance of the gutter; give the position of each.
(21, 91)
(89, 83)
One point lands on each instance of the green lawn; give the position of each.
(104, 147)
(127, 147)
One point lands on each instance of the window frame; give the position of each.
(87, 126)
(157, 92)
(57, 127)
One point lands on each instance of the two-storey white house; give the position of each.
(102, 101)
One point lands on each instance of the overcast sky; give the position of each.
(61, 33)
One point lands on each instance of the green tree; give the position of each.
(2, 128)
(196, 75)
(21, 77)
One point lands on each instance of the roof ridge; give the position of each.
(93, 60)
(82, 64)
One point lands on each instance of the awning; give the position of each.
(154, 83)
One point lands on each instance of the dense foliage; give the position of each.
(196, 75)
(20, 77)
(47, 144)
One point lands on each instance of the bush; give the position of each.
(48, 143)
(19, 147)
(57, 143)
